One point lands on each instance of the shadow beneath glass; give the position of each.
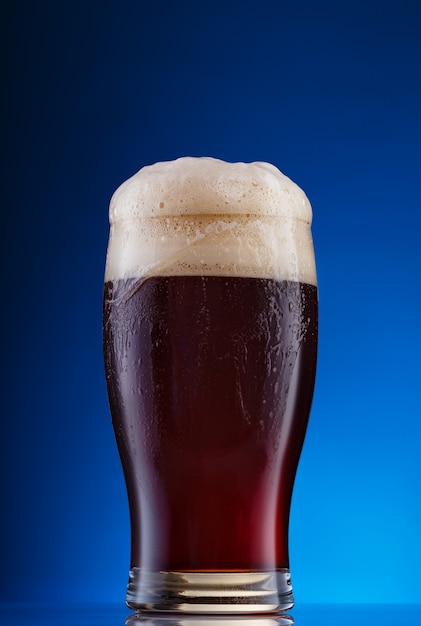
(139, 619)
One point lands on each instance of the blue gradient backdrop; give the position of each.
(329, 92)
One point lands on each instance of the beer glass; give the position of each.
(210, 340)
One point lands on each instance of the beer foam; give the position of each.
(204, 216)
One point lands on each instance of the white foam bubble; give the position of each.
(208, 217)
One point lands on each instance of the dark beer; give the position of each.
(210, 340)
(210, 382)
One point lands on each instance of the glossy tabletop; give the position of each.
(301, 615)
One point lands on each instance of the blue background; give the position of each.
(327, 91)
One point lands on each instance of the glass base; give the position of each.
(210, 592)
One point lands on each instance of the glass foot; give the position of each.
(181, 619)
(210, 592)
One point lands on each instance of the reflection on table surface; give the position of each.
(139, 620)
(142, 620)
(119, 615)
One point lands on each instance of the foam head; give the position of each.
(203, 216)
